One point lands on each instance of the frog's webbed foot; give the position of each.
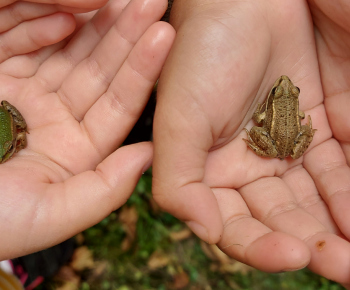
(260, 142)
(301, 114)
(303, 139)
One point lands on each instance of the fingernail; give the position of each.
(199, 230)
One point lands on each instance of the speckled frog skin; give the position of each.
(281, 134)
(13, 130)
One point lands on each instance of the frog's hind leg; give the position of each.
(260, 142)
(303, 140)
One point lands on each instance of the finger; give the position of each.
(251, 242)
(67, 208)
(123, 103)
(272, 203)
(77, 6)
(181, 149)
(308, 198)
(330, 257)
(34, 34)
(27, 65)
(92, 77)
(13, 15)
(6, 2)
(331, 175)
(59, 65)
(182, 139)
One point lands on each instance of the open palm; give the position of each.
(274, 215)
(80, 99)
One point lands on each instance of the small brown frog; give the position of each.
(13, 130)
(281, 134)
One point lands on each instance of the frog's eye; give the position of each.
(277, 91)
(295, 91)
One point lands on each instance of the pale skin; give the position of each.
(80, 98)
(271, 214)
(274, 215)
(76, 6)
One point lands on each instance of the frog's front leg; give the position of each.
(258, 117)
(260, 142)
(303, 140)
(21, 141)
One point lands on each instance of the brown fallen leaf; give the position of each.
(214, 253)
(155, 207)
(235, 267)
(68, 286)
(157, 260)
(128, 218)
(98, 270)
(207, 251)
(79, 238)
(126, 244)
(82, 259)
(9, 281)
(181, 235)
(224, 263)
(181, 280)
(220, 255)
(68, 279)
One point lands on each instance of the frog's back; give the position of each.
(285, 116)
(5, 127)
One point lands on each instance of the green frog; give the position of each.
(281, 134)
(13, 129)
